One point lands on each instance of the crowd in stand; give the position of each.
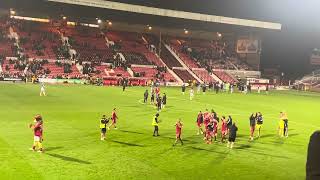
(220, 55)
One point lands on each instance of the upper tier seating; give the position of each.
(132, 43)
(38, 39)
(89, 44)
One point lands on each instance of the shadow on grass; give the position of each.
(133, 132)
(66, 158)
(208, 150)
(295, 134)
(243, 146)
(266, 136)
(53, 148)
(127, 144)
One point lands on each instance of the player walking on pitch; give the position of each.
(178, 126)
(114, 118)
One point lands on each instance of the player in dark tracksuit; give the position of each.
(252, 122)
(183, 88)
(232, 135)
(145, 96)
(152, 97)
(164, 100)
(159, 102)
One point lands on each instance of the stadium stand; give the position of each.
(184, 75)
(225, 77)
(37, 39)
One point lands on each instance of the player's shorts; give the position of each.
(215, 130)
(103, 130)
(37, 139)
(42, 90)
(178, 135)
(232, 139)
(258, 126)
(224, 132)
(252, 128)
(114, 121)
(199, 124)
(209, 133)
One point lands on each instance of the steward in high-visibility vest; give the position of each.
(155, 123)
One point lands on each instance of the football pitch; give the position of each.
(73, 149)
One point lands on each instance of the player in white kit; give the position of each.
(42, 90)
(191, 93)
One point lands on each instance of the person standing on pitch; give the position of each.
(152, 97)
(191, 93)
(285, 120)
(103, 126)
(145, 96)
(178, 126)
(204, 88)
(224, 129)
(124, 84)
(164, 100)
(199, 123)
(42, 90)
(252, 122)
(183, 88)
(232, 135)
(198, 88)
(37, 128)
(155, 124)
(259, 123)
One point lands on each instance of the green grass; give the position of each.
(74, 150)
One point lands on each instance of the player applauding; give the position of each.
(38, 132)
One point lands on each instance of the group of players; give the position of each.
(210, 121)
(155, 99)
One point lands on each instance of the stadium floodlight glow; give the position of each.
(64, 17)
(150, 28)
(109, 23)
(99, 21)
(186, 31)
(219, 34)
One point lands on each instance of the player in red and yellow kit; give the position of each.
(114, 118)
(38, 133)
(224, 128)
(178, 126)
